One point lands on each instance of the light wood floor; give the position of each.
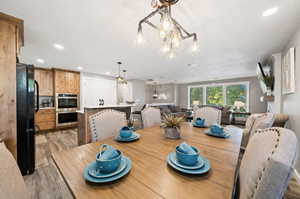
(47, 183)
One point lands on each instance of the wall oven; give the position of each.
(66, 101)
(66, 107)
(66, 118)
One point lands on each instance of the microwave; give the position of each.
(67, 102)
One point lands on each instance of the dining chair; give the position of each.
(151, 117)
(106, 124)
(255, 122)
(267, 164)
(211, 115)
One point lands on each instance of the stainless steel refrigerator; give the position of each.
(27, 105)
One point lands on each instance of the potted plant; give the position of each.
(171, 125)
(268, 79)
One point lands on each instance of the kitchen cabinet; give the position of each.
(45, 79)
(66, 81)
(11, 39)
(45, 119)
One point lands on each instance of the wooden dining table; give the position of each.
(150, 176)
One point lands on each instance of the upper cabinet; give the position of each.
(44, 77)
(66, 81)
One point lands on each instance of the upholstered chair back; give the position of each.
(267, 164)
(210, 114)
(151, 117)
(255, 122)
(106, 124)
(262, 121)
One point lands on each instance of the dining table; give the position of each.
(151, 176)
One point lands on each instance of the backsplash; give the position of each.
(46, 101)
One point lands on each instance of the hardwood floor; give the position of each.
(47, 183)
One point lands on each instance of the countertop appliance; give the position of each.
(26, 88)
(66, 107)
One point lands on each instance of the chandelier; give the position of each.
(170, 31)
(119, 78)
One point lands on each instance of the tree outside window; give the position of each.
(196, 96)
(214, 95)
(236, 93)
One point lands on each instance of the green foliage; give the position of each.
(236, 93)
(196, 94)
(269, 81)
(214, 95)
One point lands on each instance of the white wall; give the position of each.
(95, 87)
(139, 91)
(291, 103)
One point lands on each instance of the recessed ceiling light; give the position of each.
(270, 11)
(58, 46)
(107, 73)
(80, 68)
(39, 60)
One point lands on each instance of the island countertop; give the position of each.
(105, 106)
(84, 132)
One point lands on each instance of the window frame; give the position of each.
(224, 85)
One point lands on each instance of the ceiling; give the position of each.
(233, 36)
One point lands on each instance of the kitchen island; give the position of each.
(84, 132)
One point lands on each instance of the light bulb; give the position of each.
(162, 34)
(195, 46)
(171, 55)
(166, 48)
(166, 23)
(176, 41)
(140, 38)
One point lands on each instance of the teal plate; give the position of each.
(134, 136)
(202, 170)
(174, 160)
(89, 178)
(224, 135)
(197, 126)
(94, 173)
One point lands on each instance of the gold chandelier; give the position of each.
(170, 31)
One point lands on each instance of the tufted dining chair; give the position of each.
(106, 123)
(255, 122)
(267, 164)
(211, 115)
(151, 117)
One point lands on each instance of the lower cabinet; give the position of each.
(45, 119)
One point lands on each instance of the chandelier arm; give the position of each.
(186, 32)
(150, 15)
(151, 24)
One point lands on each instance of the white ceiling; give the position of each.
(96, 34)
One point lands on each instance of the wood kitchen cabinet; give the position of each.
(11, 40)
(66, 81)
(45, 119)
(44, 77)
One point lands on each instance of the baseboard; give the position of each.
(296, 175)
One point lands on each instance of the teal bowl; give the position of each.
(125, 132)
(108, 166)
(187, 159)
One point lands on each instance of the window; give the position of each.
(196, 96)
(220, 94)
(214, 95)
